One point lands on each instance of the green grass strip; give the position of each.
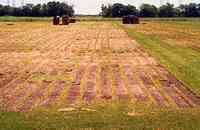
(183, 62)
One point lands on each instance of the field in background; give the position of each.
(89, 18)
(23, 19)
(175, 44)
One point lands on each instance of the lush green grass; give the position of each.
(88, 18)
(95, 18)
(34, 19)
(172, 19)
(182, 61)
(105, 116)
(23, 19)
(99, 18)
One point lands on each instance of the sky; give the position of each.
(94, 6)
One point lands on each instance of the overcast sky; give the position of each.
(94, 6)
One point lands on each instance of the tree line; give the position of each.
(148, 10)
(49, 9)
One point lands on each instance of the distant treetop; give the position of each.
(147, 10)
(50, 9)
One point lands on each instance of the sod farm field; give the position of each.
(99, 75)
(175, 44)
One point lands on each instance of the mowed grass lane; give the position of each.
(175, 44)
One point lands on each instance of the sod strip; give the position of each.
(168, 101)
(74, 90)
(188, 93)
(148, 83)
(105, 85)
(183, 88)
(162, 77)
(33, 97)
(90, 92)
(136, 62)
(119, 84)
(24, 75)
(151, 66)
(134, 86)
(141, 53)
(5, 79)
(126, 81)
(15, 88)
(15, 98)
(169, 89)
(37, 68)
(146, 61)
(33, 85)
(172, 93)
(172, 82)
(53, 96)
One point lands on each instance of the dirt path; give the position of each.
(83, 63)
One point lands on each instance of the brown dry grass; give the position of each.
(181, 33)
(58, 69)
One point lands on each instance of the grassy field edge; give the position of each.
(112, 116)
(173, 57)
(91, 19)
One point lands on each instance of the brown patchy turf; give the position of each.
(105, 86)
(45, 66)
(148, 83)
(32, 98)
(74, 90)
(120, 86)
(90, 92)
(134, 85)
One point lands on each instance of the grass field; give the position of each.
(107, 117)
(175, 44)
(23, 19)
(92, 75)
(34, 19)
(89, 19)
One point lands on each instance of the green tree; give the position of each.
(106, 10)
(17, 12)
(199, 9)
(7, 10)
(131, 10)
(37, 10)
(147, 10)
(182, 9)
(192, 10)
(53, 8)
(118, 10)
(44, 10)
(65, 9)
(1, 10)
(27, 10)
(167, 10)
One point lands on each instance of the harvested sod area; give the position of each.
(87, 75)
